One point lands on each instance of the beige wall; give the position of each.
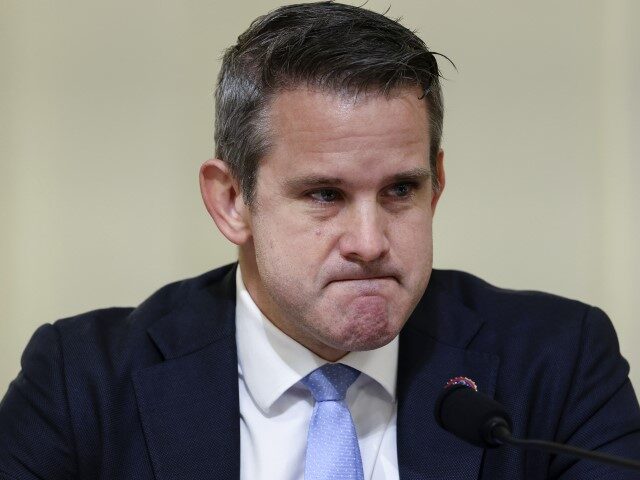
(106, 114)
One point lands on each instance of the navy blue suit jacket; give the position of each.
(152, 392)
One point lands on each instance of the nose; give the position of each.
(364, 237)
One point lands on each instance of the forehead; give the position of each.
(322, 130)
(308, 111)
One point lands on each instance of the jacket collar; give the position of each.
(204, 315)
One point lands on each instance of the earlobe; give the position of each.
(223, 200)
(441, 180)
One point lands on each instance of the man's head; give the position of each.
(328, 171)
(328, 46)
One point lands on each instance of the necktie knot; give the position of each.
(330, 382)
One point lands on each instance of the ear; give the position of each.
(441, 180)
(224, 202)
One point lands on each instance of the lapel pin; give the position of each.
(466, 381)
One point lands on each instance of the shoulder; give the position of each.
(118, 336)
(78, 371)
(161, 302)
(512, 310)
(479, 294)
(535, 334)
(560, 372)
(515, 324)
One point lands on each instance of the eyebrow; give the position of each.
(419, 174)
(415, 174)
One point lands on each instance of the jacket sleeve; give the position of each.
(36, 439)
(601, 410)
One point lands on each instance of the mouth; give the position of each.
(365, 278)
(365, 282)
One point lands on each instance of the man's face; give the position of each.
(340, 249)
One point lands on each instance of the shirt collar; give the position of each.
(270, 362)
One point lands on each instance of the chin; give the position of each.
(369, 324)
(365, 334)
(361, 345)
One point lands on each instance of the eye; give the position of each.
(402, 190)
(324, 195)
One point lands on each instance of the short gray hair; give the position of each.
(326, 45)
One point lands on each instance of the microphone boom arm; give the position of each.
(502, 434)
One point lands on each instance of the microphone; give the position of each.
(480, 420)
(471, 416)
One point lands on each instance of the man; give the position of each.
(321, 353)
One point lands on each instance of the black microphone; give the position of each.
(480, 420)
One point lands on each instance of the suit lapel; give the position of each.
(433, 350)
(188, 403)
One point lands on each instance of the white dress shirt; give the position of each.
(275, 407)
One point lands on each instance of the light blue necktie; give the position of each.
(332, 443)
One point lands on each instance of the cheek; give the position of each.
(284, 245)
(412, 249)
(292, 233)
(412, 233)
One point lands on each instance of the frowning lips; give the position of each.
(378, 274)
